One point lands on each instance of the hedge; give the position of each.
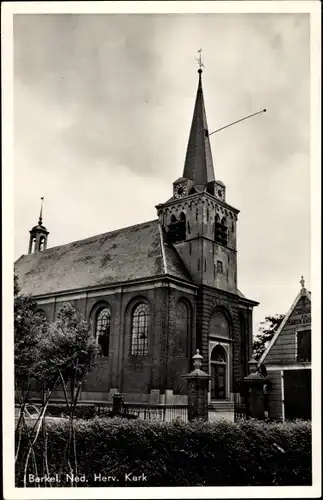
(247, 453)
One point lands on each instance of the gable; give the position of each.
(131, 253)
(283, 347)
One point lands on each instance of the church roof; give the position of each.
(198, 162)
(130, 253)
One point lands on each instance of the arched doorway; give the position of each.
(218, 372)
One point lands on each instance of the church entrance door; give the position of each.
(218, 376)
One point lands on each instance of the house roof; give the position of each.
(130, 253)
(302, 292)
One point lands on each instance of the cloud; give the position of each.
(103, 106)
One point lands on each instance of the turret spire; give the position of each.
(198, 162)
(40, 220)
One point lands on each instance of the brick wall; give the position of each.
(170, 341)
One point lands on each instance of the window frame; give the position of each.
(219, 264)
(138, 348)
(226, 348)
(298, 332)
(97, 335)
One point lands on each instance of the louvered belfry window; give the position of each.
(139, 333)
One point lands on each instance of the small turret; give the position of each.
(38, 234)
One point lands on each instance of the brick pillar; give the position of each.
(198, 382)
(117, 403)
(254, 386)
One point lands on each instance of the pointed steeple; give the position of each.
(198, 162)
(40, 220)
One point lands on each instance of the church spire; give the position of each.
(198, 162)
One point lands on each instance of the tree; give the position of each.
(29, 327)
(68, 350)
(267, 330)
(63, 351)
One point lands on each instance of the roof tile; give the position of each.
(126, 254)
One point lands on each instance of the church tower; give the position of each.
(38, 234)
(197, 220)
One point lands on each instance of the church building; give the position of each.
(157, 291)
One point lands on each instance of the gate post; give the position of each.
(254, 388)
(117, 404)
(197, 390)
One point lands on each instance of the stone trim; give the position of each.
(67, 296)
(289, 367)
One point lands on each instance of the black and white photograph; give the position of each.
(161, 215)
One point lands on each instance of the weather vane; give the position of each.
(199, 59)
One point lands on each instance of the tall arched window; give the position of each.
(139, 330)
(102, 330)
(33, 245)
(177, 228)
(183, 328)
(220, 231)
(42, 319)
(218, 372)
(243, 347)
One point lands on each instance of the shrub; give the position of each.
(247, 453)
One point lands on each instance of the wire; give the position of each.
(237, 121)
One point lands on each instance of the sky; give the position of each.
(102, 111)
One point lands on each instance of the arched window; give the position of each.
(33, 245)
(183, 328)
(177, 228)
(243, 347)
(139, 330)
(218, 372)
(41, 314)
(42, 244)
(219, 325)
(102, 330)
(42, 319)
(220, 231)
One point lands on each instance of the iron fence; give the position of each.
(161, 413)
(240, 407)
